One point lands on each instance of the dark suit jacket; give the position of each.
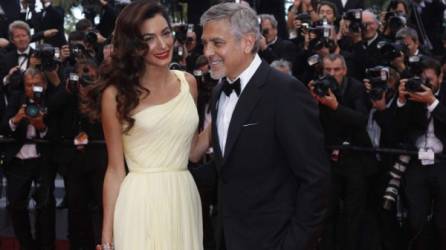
(351, 4)
(9, 61)
(281, 49)
(274, 176)
(348, 124)
(412, 117)
(51, 18)
(15, 103)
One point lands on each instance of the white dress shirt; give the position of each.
(226, 104)
(28, 151)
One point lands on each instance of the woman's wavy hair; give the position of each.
(127, 64)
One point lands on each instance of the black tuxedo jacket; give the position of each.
(273, 179)
(412, 117)
(351, 4)
(348, 123)
(281, 49)
(51, 18)
(15, 103)
(9, 61)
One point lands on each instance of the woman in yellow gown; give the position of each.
(150, 121)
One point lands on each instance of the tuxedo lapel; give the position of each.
(216, 97)
(246, 103)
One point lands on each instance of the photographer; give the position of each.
(24, 120)
(274, 47)
(16, 61)
(85, 162)
(381, 84)
(360, 35)
(422, 110)
(343, 115)
(411, 43)
(50, 17)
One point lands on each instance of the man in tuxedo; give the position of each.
(18, 59)
(273, 175)
(275, 48)
(423, 112)
(27, 164)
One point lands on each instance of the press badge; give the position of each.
(426, 156)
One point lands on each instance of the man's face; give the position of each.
(32, 81)
(371, 25)
(434, 79)
(327, 11)
(225, 52)
(21, 39)
(336, 69)
(268, 31)
(411, 45)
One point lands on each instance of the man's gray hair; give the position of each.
(270, 18)
(407, 32)
(333, 57)
(18, 25)
(33, 71)
(243, 20)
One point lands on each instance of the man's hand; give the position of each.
(19, 116)
(38, 122)
(12, 70)
(398, 63)
(53, 77)
(3, 42)
(50, 33)
(402, 93)
(262, 43)
(103, 2)
(329, 100)
(426, 96)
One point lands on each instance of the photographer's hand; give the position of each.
(103, 2)
(12, 71)
(330, 100)
(367, 85)
(19, 116)
(3, 42)
(53, 77)
(402, 93)
(38, 122)
(50, 33)
(311, 88)
(427, 96)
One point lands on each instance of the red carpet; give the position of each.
(9, 243)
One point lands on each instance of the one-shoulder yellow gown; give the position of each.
(158, 206)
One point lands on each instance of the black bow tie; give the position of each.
(23, 55)
(229, 87)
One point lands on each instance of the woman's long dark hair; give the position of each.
(127, 63)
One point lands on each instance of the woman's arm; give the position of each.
(115, 167)
(201, 141)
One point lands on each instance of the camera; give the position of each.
(355, 18)
(323, 84)
(315, 63)
(46, 53)
(378, 77)
(392, 189)
(34, 105)
(180, 32)
(305, 20)
(390, 51)
(395, 21)
(77, 50)
(413, 84)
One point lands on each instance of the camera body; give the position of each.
(355, 18)
(46, 53)
(413, 84)
(395, 21)
(305, 20)
(323, 84)
(390, 50)
(34, 106)
(378, 77)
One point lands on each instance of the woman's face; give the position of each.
(158, 36)
(400, 9)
